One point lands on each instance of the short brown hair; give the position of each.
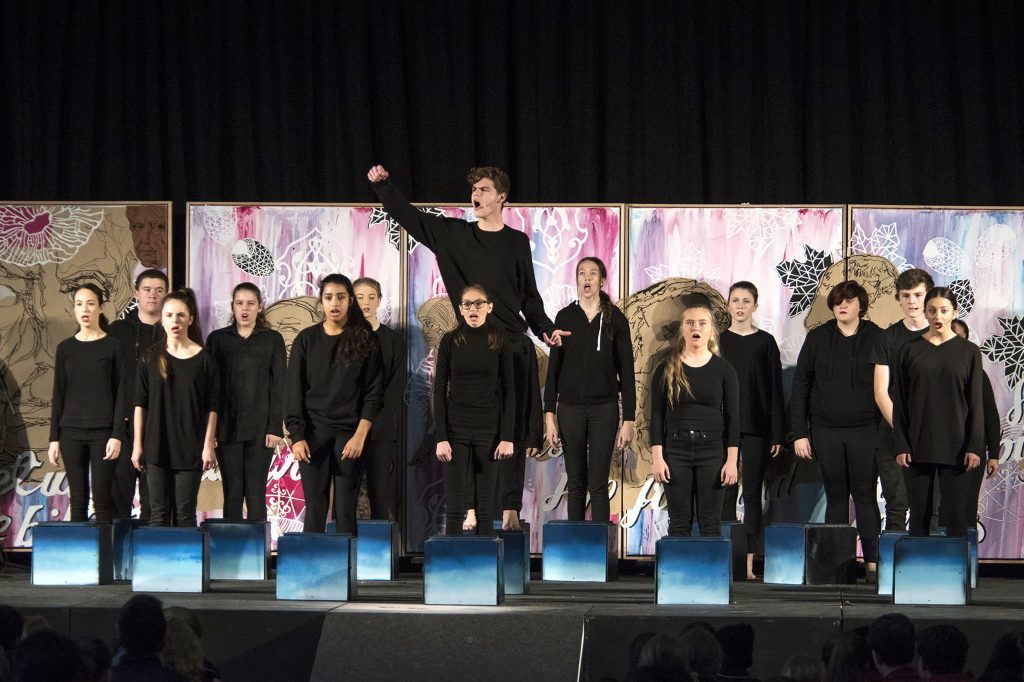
(910, 279)
(499, 177)
(848, 290)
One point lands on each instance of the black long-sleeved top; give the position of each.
(325, 395)
(712, 405)
(833, 385)
(758, 365)
(395, 376)
(993, 427)
(938, 408)
(177, 409)
(594, 365)
(252, 379)
(88, 387)
(474, 386)
(137, 338)
(498, 261)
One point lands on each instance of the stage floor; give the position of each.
(551, 633)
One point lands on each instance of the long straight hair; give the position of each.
(195, 332)
(357, 338)
(676, 381)
(89, 286)
(495, 337)
(261, 319)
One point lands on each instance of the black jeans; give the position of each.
(378, 461)
(82, 451)
(179, 485)
(588, 439)
(977, 479)
(243, 474)
(529, 423)
(324, 467)
(953, 483)
(894, 491)
(472, 460)
(695, 460)
(846, 458)
(126, 476)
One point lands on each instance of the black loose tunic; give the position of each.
(87, 387)
(758, 365)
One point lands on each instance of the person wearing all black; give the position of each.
(473, 399)
(893, 641)
(586, 376)
(176, 404)
(695, 425)
(499, 258)
(834, 416)
(86, 424)
(250, 359)
(939, 417)
(332, 398)
(911, 287)
(755, 356)
(381, 455)
(138, 331)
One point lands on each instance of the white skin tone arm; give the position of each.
(882, 398)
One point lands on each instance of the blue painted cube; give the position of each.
(124, 530)
(830, 554)
(377, 550)
(517, 558)
(931, 570)
(737, 533)
(886, 548)
(170, 559)
(72, 553)
(693, 570)
(316, 567)
(784, 554)
(972, 538)
(580, 551)
(463, 570)
(239, 550)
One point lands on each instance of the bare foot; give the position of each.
(470, 522)
(510, 520)
(750, 568)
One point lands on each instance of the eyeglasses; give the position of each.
(469, 305)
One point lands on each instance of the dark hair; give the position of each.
(906, 281)
(606, 300)
(847, 658)
(195, 332)
(152, 273)
(848, 290)
(96, 657)
(495, 337)
(500, 178)
(261, 319)
(942, 292)
(636, 647)
(703, 652)
(746, 286)
(957, 322)
(47, 655)
(891, 637)
(141, 625)
(803, 668)
(100, 297)
(357, 338)
(11, 623)
(664, 653)
(368, 282)
(737, 642)
(942, 648)
(1007, 655)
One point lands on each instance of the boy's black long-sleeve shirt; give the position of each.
(474, 386)
(395, 375)
(252, 378)
(498, 261)
(758, 365)
(712, 405)
(137, 338)
(88, 387)
(594, 365)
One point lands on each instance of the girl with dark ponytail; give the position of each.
(176, 405)
(587, 375)
(86, 426)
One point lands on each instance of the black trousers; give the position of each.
(378, 461)
(472, 460)
(244, 466)
(695, 462)
(179, 485)
(82, 451)
(977, 479)
(325, 467)
(846, 458)
(529, 424)
(588, 439)
(755, 451)
(953, 482)
(126, 476)
(894, 491)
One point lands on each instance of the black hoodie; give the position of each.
(833, 385)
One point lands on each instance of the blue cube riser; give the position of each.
(463, 571)
(580, 551)
(784, 554)
(124, 531)
(316, 567)
(931, 571)
(737, 533)
(972, 537)
(66, 553)
(830, 554)
(239, 550)
(170, 560)
(886, 548)
(693, 571)
(377, 550)
(517, 558)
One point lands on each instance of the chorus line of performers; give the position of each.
(910, 404)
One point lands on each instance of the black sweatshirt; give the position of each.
(252, 379)
(326, 396)
(712, 405)
(498, 261)
(833, 385)
(396, 373)
(993, 427)
(88, 387)
(177, 409)
(938, 408)
(758, 365)
(474, 386)
(594, 365)
(137, 338)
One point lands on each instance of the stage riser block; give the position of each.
(72, 553)
(886, 548)
(737, 533)
(239, 550)
(517, 558)
(377, 550)
(463, 571)
(784, 554)
(170, 560)
(580, 551)
(830, 554)
(931, 571)
(693, 571)
(972, 537)
(124, 530)
(316, 567)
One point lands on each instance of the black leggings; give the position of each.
(755, 452)
(695, 462)
(588, 439)
(846, 458)
(82, 451)
(894, 491)
(953, 484)
(378, 461)
(528, 418)
(324, 467)
(472, 461)
(977, 480)
(126, 476)
(243, 474)
(181, 486)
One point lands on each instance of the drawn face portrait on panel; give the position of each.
(291, 315)
(148, 226)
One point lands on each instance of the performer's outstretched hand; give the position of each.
(555, 339)
(377, 174)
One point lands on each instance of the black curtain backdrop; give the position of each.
(588, 101)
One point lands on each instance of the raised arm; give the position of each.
(429, 230)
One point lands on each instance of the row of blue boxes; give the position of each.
(471, 570)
